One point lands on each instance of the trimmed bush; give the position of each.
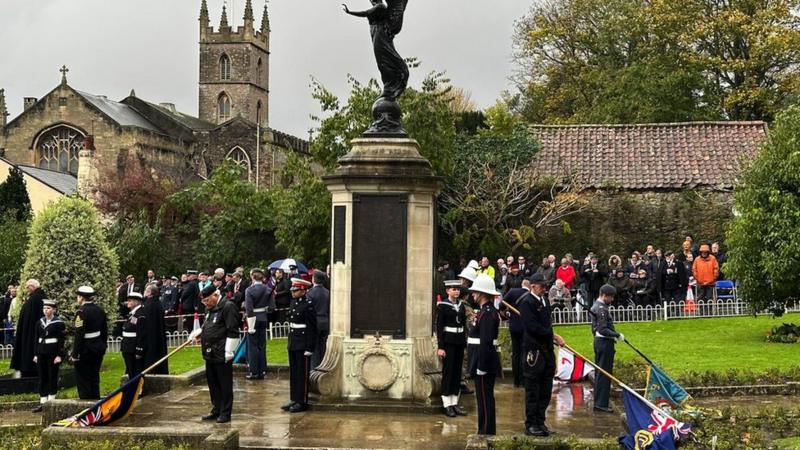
(68, 249)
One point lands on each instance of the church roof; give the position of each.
(665, 156)
(186, 120)
(120, 113)
(65, 183)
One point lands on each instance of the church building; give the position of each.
(71, 132)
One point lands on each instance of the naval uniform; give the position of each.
(538, 358)
(604, 339)
(220, 334)
(256, 305)
(451, 336)
(302, 319)
(133, 341)
(50, 338)
(91, 334)
(484, 364)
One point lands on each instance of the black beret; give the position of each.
(208, 291)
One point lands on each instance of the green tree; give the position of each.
(67, 250)
(14, 195)
(427, 116)
(14, 236)
(224, 220)
(302, 213)
(628, 61)
(138, 245)
(764, 255)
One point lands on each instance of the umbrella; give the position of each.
(284, 264)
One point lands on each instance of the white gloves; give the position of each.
(307, 353)
(251, 325)
(621, 338)
(228, 356)
(230, 347)
(195, 334)
(480, 372)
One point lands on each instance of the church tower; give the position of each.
(234, 68)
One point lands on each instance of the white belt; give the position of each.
(598, 335)
(477, 341)
(454, 329)
(297, 325)
(260, 310)
(128, 334)
(92, 335)
(48, 340)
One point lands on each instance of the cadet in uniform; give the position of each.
(302, 319)
(256, 303)
(91, 334)
(133, 334)
(467, 277)
(451, 318)
(220, 337)
(604, 338)
(50, 337)
(484, 362)
(538, 355)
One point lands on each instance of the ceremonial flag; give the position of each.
(662, 390)
(649, 428)
(240, 355)
(115, 407)
(571, 368)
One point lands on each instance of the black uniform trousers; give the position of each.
(256, 355)
(484, 393)
(87, 374)
(48, 375)
(516, 356)
(539, 372)
(299, 369)
(603, 357)
(451, 369)
(219, 377)
(133, 366)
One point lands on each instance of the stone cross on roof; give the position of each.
(63, 71)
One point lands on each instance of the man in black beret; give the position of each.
(219, 339)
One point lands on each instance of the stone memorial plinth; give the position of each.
(381, 345)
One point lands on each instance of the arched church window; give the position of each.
(259, 71)
(224, 67)
(241, 158)
(258, 112)
(224, 107)
(57, 148)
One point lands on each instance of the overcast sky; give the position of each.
(111, 46)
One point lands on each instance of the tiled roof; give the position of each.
(121, 113)
(649, 156)
(65, 183)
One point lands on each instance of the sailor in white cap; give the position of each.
(484, 361)
(91, 334)
(451, 336)
(50, 338)
(133, 330)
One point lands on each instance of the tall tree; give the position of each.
(763, 238)
(634, 61)
(14, 195)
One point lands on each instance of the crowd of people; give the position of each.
(644, 279)
(224, 304)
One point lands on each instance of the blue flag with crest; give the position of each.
(649, 429)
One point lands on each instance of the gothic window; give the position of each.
(57, 148)
(240, 157)
(224, 67)
(224, 107)
(258, 112)
(259, 71)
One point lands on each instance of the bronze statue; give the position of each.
(385, 22)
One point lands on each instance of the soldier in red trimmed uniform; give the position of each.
(302, 319)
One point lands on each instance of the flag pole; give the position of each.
(648, 360)
(158, 363)
(620, 383)
(514, 310)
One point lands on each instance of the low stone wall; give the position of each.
(55, 438)
(159, 384)
(483, 442)
(280, 370)
(61, 409)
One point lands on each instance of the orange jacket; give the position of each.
(705, 270)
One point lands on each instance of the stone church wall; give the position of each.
(218, 144)
(244, 95)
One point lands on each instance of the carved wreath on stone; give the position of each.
(377, 369)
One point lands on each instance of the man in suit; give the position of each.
(593, 276)
(256, 305)
(320, 298)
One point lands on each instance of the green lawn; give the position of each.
(713, 345)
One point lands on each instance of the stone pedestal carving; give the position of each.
(381, 344)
